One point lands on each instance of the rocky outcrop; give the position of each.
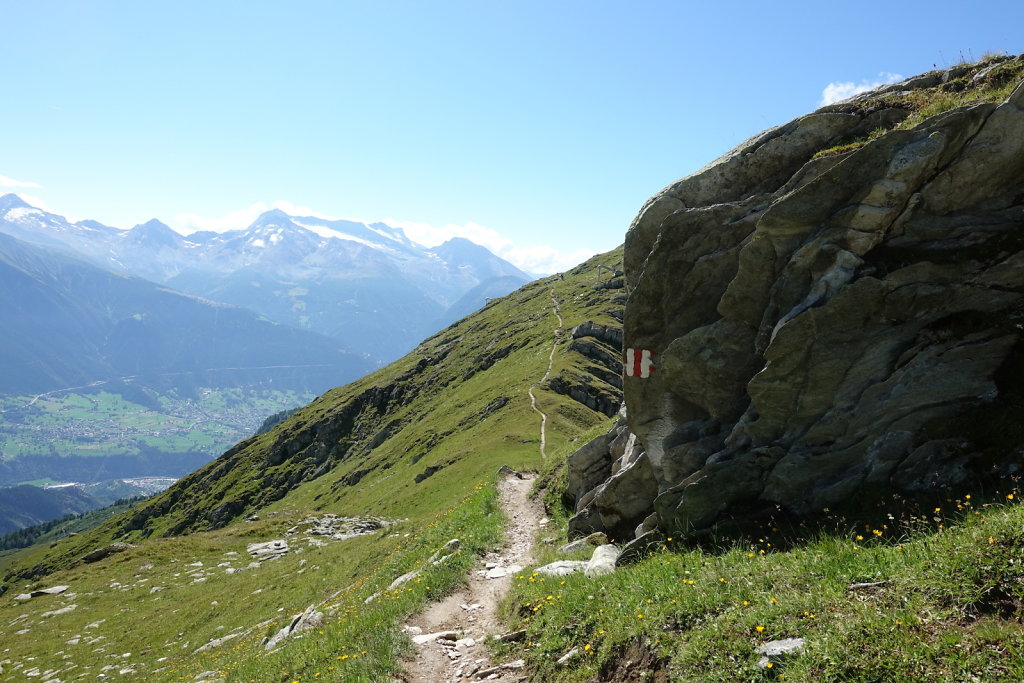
(270, 550)
(55, 590)
(106, 551)
(597, 384)
(308, 619)
(826, 328)
(581, 387)
(610, 485)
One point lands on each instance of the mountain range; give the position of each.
(69, 323)
(367, 285)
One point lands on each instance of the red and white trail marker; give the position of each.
(639, 363)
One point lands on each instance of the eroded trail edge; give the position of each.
(556, 309)
(450, 635)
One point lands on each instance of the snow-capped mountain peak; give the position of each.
(13, 201)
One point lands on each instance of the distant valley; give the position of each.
(142, 352)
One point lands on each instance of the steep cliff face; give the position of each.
(833, 311)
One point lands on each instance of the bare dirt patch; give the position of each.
(636, 662)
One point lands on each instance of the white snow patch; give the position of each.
(21, 212)
(324, 231)
(383, 233)
(258, 242)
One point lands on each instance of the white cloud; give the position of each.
(187, 223)
(841, 90)
(11, 182)
(539, 259)
(303, 210)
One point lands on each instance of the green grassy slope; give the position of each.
(417, 442)
(919, 595)
(55, 529)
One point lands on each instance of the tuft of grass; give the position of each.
(837, 150)
(995, 86)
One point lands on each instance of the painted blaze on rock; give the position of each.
(638, 363)
(829, 329)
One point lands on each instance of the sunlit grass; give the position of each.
(942, 601)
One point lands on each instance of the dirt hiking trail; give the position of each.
(556, 309)
(450, 636)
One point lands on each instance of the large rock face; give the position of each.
(834, 328)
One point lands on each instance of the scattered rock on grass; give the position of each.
(269, 550)
(56, 590)
(62, 610)
(403, 579)
(449, 549)
(106, 551)
(602, 562)
(310, 618)
(774, 649)
(510, 637)
(505, 470)
(595, 539)
(562, 568)
(217, 642)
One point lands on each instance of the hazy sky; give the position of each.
(536, 128)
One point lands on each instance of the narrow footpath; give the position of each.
(547, 373)
(450, 636)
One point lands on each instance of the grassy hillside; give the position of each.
(416, 444)
(22, 506)
(56, 529)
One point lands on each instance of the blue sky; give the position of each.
(537, 128)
